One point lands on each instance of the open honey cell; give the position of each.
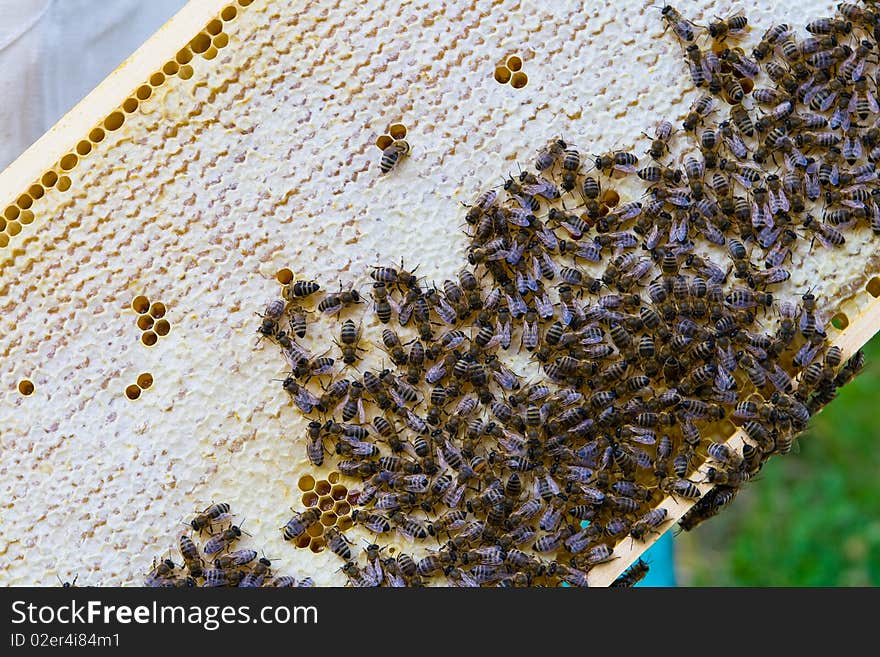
(344, 523)
(352, 497)
(384, 141)
(338, 492)
(840, 321)
(140, 304)
(325, 503)
(610, 198)
(873, 287)
(397, 131)
(317, 545)
(132, 392)
(145, 380)
(341, 508)
(315, 530)
(303, 541)
(145, 322)
(514, 63)
(322, 487)
(328, 518)
(26, 387)
(333, 477)
(519, 80)
(162, 327)
(502, 74)
(310, 498)
(157, 310)
(284, 276)
(306, 482)
(149, 338)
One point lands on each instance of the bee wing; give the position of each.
(305, 400)
(214, 544)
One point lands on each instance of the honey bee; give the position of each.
(647, 523)
(571, 164)
(701, 108)
(550, 154)
(617, 161)
(682, 27)
(315, 444)
(733, 26)
(214, 513)
(333, 303)
(223, 540)
(300, 290)
(393, 154)
(299, 523)
(771, 37)
(632, 575)
(349, 335)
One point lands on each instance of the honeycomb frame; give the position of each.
(174, 54)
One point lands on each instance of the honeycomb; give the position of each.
(331, 497)
(237, 147)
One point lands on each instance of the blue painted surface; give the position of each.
(661, 558)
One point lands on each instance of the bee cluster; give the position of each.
(215, 563)
(655, 327)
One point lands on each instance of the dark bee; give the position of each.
(632, 575)
(550, 154)
(300, 523)
(721, 29)
(349, 335)
(771, 37)
(192, 559)
(223, 540)
(333, 303)
(393, 154)
(315, 444)
(214, 513)
(571, 163)
(300, 290)
(683, 28)
(647, 523)
(617, 161)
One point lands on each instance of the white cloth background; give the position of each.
(53, 52)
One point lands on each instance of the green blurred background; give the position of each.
(810, 518)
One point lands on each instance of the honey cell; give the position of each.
(519, 80)
(306, 482)
(502, 74)
(322, 487)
